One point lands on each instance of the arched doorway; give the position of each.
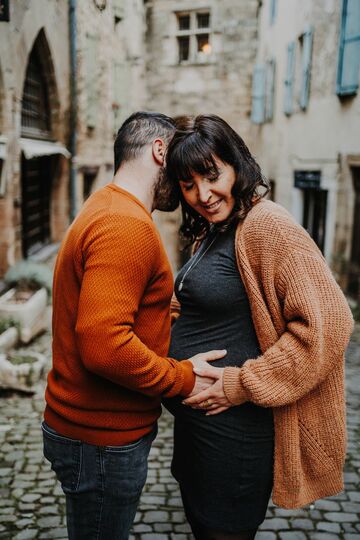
(40, 155)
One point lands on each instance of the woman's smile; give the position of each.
(211, 196)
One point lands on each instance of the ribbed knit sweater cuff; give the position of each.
(233, 389)
(189, 378)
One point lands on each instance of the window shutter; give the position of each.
(349, 49)
(91, 79)
(273, 11)
(289, 81)
(269, 95)
(258, 94)
(120, 105)
(306, 68)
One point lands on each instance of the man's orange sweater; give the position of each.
(111, 325)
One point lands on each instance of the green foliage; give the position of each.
(356, 312)
(6, 323)
(27, 275)
(17, 359)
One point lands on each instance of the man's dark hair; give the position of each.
(140, 129)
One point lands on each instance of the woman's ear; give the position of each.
(158, 151)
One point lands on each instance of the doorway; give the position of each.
(36, 175)
(353, 287)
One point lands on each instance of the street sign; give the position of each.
(307, 179)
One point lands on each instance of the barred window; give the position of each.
(35, 114)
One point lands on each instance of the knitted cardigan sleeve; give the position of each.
(318, 324)
(119, 262)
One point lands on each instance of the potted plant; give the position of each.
(25, 301)
(21, 370)
(9, 334)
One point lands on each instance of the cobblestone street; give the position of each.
(32, 504)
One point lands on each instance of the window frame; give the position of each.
(192, 33)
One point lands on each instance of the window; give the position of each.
(314, 215)
(193, 36)
(184, 22)
(184, 48)
(354, 266)
(35, 113)
(314, 204)
(349, 49)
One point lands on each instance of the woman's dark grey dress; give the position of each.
(224, 463)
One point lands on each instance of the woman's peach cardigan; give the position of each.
(303, 324)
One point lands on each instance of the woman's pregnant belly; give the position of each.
(189, 339)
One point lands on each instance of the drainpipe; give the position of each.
(73, 106)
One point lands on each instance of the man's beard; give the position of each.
(166, 194)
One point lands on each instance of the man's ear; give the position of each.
(158, 151)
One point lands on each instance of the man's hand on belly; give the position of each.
(213, 399)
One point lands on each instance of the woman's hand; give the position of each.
(213, 400)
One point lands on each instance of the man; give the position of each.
(111, 326)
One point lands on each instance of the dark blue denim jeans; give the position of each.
(102, 484)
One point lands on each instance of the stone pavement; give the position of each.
(32, 504)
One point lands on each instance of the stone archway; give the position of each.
(38, 166)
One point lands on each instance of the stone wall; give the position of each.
(29, 20)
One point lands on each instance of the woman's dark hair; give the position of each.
(195, 144)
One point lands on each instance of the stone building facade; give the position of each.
(34, 108)
(178, 57)
(37, 106)
(199, 59)
(306, 121)
(277, 70)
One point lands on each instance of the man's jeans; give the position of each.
(102, 484)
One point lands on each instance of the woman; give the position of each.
(259, 287)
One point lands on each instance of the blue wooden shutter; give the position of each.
(289, 80)
(258, 94)
(273, 11)
(91, 79)
(269, 93)
(349, 49)
(306, 68)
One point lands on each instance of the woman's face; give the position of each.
(210, 196)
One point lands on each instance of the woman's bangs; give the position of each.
(192, 156)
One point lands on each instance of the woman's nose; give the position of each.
(204, 193)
